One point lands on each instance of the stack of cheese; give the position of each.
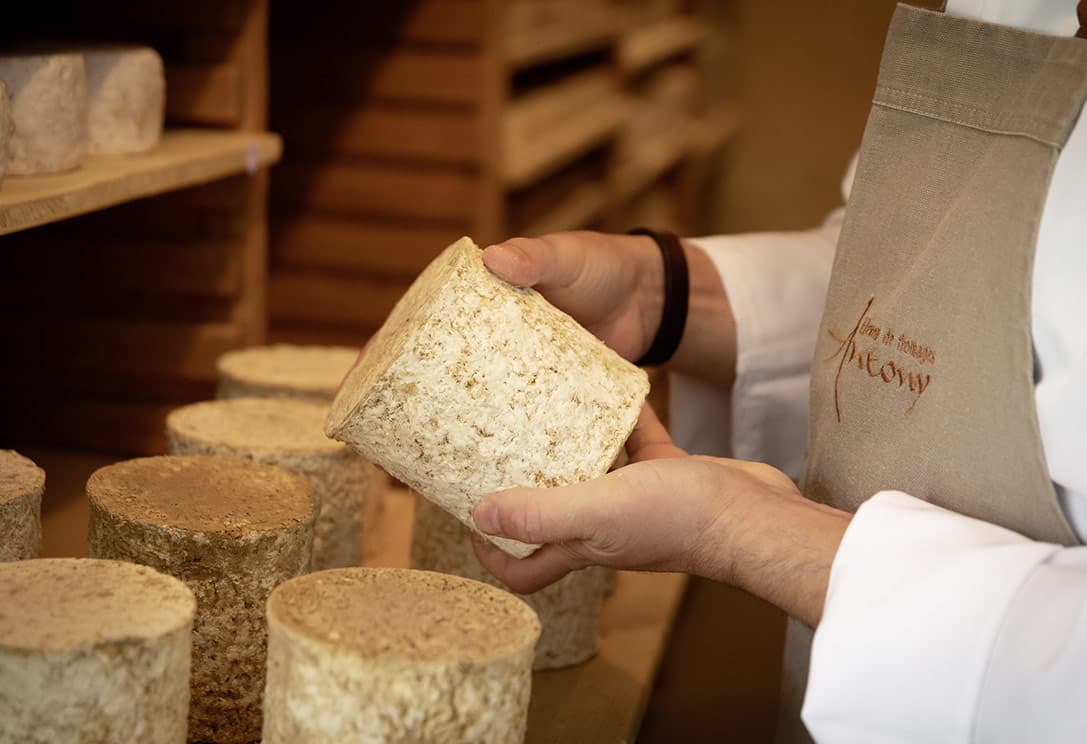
(57, 105)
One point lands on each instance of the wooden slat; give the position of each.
(528, 160)
(205, 94)
(184, 351)
(183, 158)
(357, 245)
(333, 301)
(579, 209)
(382, 130)
(566, 35)
(398, 74)
(346, 22)
(536, 113)
(648, 45)
(374, 189)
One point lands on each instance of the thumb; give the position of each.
(537, 515)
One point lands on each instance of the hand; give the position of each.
(611, 284)
(742, 523)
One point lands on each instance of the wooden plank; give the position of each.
(178, 350)
(195, 267)
(205, 94)
(579, 209)
(357, 245)
(534, 114)
(398, 74)
(183, 158)
(444, 134)
(366, 188)
(562, 36)
(346, 22)
(333, 301)
(649, 45)
(530, 159)
(282, 332)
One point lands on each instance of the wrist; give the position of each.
(649, 287)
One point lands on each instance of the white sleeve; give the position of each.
(776, 284)
(942, 628)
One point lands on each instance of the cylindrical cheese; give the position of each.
(230, 529)
(473, 385)
(284, 371)
(287, 433)
(569, 609)
(93, 651)
(7, 128)
(22, 484)
(391, 655)
(49, 107)
(311, 373)
(126, 98)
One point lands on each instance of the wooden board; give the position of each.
(648, 45)
(356, 303)
(183, 158)
(205, 94)
(574, 30)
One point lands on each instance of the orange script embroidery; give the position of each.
(868, 360)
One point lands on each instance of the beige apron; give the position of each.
(923, 374)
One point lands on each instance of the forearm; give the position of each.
(777, 546)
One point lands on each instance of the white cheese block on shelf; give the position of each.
(48, 94)
(126, 89)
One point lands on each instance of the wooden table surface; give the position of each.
(600, 701)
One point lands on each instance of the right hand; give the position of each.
(611, 284)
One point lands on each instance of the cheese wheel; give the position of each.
(93, 651)
(22, 484)
(569, 609)
(126, 90)
(473, 385)
(49, 107)
(287, 433)
(392, 655)
(232, 531)
(312, 373)
(284, 371)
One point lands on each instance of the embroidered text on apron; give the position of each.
(923, 378)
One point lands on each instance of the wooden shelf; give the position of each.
(648, 45)
(183, 158)
(713, 129)
(578, 210)
(581, 33)
(526, 162)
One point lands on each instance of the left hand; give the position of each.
(740, 522)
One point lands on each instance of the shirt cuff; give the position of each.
(776, 284)
(916, 599)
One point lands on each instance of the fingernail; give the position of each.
(486, 517)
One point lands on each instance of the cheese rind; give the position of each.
(49, 107)
(22, 484)
(126, 98)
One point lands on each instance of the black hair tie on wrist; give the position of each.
(677, 290)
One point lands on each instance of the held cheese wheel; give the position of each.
(473, 385)
(289, 434)
(232, 530)
(93, 651)
(386, 655)
(22, 484)
(48, 94)
(126, 90)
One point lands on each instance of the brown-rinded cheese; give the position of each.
(22, 484)
(230, 529)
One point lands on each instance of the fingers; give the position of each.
(526, 575)
(535, 262)
(650, 440)
(533, 515)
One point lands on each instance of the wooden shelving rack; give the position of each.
(485, 118)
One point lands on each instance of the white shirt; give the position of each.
(937, 627)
